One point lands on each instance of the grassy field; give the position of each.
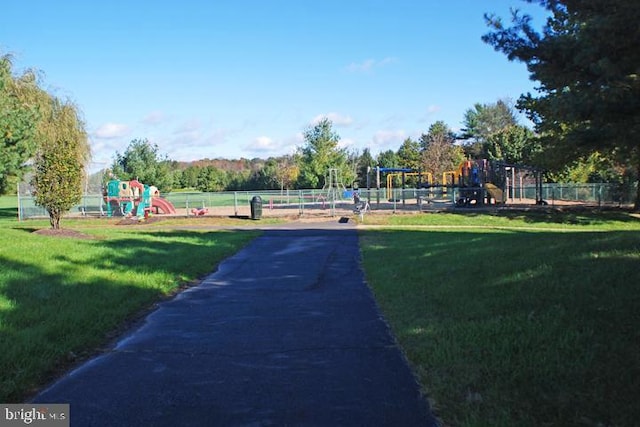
(61, 298)
(510, 318)
(515, 319)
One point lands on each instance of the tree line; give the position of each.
(490, 131)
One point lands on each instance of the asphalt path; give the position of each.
(285, 333)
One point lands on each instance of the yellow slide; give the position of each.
(494, 192)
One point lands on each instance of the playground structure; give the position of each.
(483, 182)
(333, 188)
(473, 183)
(390, 177)
(132, 198)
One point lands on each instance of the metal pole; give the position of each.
(513, 184)
(301, 202)
(19, 204)
(521, 187)
(403, 185)
(393, 196)
(378, 186)
(368, 184)
(235, 202)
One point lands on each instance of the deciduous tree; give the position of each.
(321, 153)
(287, 172)
(142, 161)
(388, 159)
(211, 179)
(19, 118)
(439, 153)
(513, 144)
(59, 166)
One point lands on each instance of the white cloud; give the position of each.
(385, 138)
(103, 150)
(267, 146)
(346, 143)
(336, 118)
(293, 142)
(369, 64)
(111, 131)
(262, 144)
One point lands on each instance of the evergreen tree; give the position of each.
(587, 60)
(366, 163)
(408, 154)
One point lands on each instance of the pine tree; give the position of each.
(587, 61)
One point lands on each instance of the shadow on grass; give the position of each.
(8, 213)
(572, 216)
(27, 229)
(239, 217)
(174, 252)
(512, 327)
(49, 324)
(71, 302)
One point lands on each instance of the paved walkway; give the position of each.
(285, 333)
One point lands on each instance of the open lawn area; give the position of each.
(509, 318)
(512, 318)
(62, 298)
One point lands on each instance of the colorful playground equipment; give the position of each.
(473, 183)
(132, 198)
(482, 182)
(427, 176)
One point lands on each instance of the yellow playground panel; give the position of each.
(449, 178)
(427, 175)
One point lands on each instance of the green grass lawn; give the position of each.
(515, 319)
(510, 318)
(62, 298)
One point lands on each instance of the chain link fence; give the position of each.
(319, 202)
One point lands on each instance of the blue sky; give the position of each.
(245, 78)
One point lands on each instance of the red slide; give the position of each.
(163, 204)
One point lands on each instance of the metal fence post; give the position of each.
(300, 202)
(19, 205)
(599, 195)
(393, 196)
(235, 203)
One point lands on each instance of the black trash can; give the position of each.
(256, 207)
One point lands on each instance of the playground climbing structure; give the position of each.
(333, 189)
(132, 198)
